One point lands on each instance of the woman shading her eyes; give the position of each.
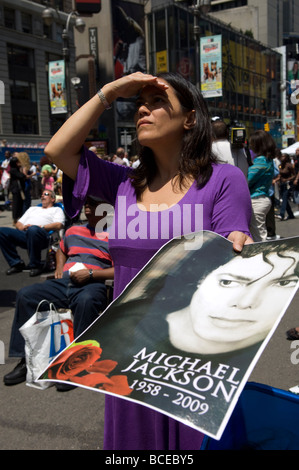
(177, 169)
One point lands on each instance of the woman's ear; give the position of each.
(190, 120)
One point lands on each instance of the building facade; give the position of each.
(250, 71)
(276, 24)
(27, 45)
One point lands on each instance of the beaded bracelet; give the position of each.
(103, 100)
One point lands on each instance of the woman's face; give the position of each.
(231, 306)
(160, 117)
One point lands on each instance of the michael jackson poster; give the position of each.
(187, 331)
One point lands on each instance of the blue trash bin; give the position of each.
(265, 418)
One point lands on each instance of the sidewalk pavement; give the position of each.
(32, 419)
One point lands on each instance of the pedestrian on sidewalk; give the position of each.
(260, 177)
(17, 188)
(286, 177)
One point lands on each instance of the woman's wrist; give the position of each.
(109, 94)
(103, 99)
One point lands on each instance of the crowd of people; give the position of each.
(120, 156)
(175, 166)
(272, 176)
(23, 181)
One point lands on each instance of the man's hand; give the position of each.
(239, 239)
(58, 273)
(80, 277)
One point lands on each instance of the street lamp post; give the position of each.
(80, 26)
(48, 16)
(196, 32)
(76, 82)
(199, 7)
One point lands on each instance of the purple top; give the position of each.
(223, 205)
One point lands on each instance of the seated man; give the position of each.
(32, 233)
(83, 264)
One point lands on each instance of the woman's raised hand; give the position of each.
(64, 149)
(129, 85)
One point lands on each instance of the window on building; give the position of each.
(9, 18)
(26, 20)
(47, 31)
(23, 124)
(161, 29)
(22, 90)
(218, 6)
(59, 29)
(23, 93)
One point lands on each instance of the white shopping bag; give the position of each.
(46, 334)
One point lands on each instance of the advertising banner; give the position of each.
(57, 91)
(289, 123)
(211, 66)
(187, 331)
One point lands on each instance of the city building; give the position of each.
(276, 24)
(246, 88)
(28, 45)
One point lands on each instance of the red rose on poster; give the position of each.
(74, 360)
(80, 364)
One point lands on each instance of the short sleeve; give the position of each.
(62, 246)
(232, 202)
(59, 215)
(95, 177)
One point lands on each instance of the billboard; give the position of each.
(211, 66)
(57, 91)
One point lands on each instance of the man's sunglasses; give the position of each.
(92, 202)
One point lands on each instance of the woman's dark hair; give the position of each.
(196, 155)
(14, 162)
(262, 144)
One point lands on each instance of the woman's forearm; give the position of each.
(65, 146)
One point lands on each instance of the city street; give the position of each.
(32, 419)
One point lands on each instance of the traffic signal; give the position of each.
(266, 127)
